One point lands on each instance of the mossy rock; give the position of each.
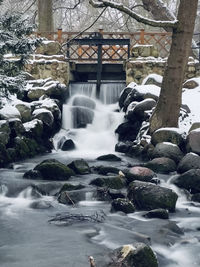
(4, 156)
(71, 187)
(79, 166)
(52, 169)
(115, 182)
(124, 205)
(22, 150)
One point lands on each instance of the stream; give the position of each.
(28, 239)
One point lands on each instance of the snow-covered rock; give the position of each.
(8, 112)
(44, 115)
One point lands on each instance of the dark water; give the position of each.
(27, 239)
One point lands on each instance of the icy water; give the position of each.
(28, 239)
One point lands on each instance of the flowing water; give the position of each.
(28, 239)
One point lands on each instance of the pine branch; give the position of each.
(132, 14)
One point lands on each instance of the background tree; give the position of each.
(166, 113)
(14, 32)
(45, 16)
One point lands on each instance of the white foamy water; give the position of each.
(90, 122)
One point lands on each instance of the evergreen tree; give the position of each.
(16, 42)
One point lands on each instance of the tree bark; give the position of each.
(166, 113)
(45, 17)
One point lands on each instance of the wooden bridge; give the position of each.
(115, 51)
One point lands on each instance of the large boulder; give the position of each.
(21, 147)
(189, 180)
(34, 128)
(104, 170)
(154, 78)
(124, 205)
(148, 196)
(79, 166)
(189, 161)
(193, 143)
(128, 131)
(139, 173)
(124, 95)
(115, 182)
(136, 255)
(4, 155)
(172, 135)
(45, 116)
(4, 132)
(52, 169)
(161, 165)
(71, 197)
(139, 111)
(167, 150)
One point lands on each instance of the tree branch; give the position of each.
(68, 8)
(132, 14)
(30, 6)
(86, 28)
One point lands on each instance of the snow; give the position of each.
(169, 144)
(9, 111)
(41, 110)
(158, 78)
(150, 88)
(31, 124)
(172, 129)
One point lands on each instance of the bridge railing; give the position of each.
(161, 40)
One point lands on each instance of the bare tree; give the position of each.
(166, 113)
(45, 16)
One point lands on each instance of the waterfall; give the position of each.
(91, 122)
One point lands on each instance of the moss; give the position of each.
(54, 170)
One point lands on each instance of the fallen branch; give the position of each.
(67, 218)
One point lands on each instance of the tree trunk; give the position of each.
(166, 113)
(45, 17)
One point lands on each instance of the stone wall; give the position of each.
(49, 61)
(145, 61)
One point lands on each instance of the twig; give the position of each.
(85, 28)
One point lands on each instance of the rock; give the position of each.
(49, 48)
(25, 112)
(136, 255)
(113, 193)
(79, 166)
(196, 197)
(190, 84)
(109, 157)
(4, 126)
(189, 180)
(71, 197)
(36, 93)
(123, 147)
(32, 174)
(123, 96)
(171, 135)
(22, 150)
(189, 161)
(67, 145)
(4, 156)
(161, 165)
(139, 173)
(128, 130)
(167, 150)
(16, 126)
(104, 170)
(124, 205)
(194, 126)
(41, 204)
(71, 187)
(139, 111)
(193, 144)
(157, 213)
(4, 138)
(153, 79)
(102, 194)
(34, 129)
(52, 169)
(45, 116)
(148, 196)
(82, 116)
(83, 101)
(109, 182)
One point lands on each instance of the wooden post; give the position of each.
(99, 70)
(59, 33)
(142, 36)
